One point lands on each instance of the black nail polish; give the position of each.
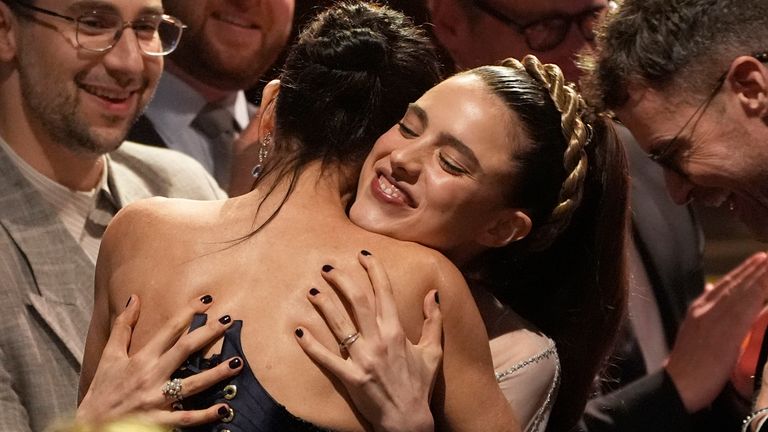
(365, 252)
(226, 319)
(299, 332)
(314, 292)
(327, 268)
(235, 363)
(129, 301)
(206, 299)
(437, 297)
(223, 411)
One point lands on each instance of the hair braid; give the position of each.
(570, 105)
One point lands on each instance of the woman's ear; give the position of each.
(267, 108)
(748, 82)
(509, 226)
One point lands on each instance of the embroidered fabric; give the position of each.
(540, 362)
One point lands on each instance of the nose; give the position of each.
(125, 59)
(680, 189)
(406, 162)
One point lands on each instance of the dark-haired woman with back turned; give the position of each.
(507, 156)
(260, 255)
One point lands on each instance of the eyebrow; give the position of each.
(447, 138)
(86, 5)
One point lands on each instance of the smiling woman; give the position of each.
(504, 171)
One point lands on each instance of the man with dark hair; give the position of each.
(689, 78)
(200, 105)
(665, 256)
(73, 78)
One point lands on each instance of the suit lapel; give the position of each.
(666, 236)
(124, 184)
(63, 274)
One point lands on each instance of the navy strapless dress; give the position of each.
(252, 409)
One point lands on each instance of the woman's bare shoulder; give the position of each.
(147, 229)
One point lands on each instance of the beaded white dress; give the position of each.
(525, 361)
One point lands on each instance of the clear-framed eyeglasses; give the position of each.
(549, 32)
(99, 31)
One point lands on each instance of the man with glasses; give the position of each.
(689, 78)
(200, 105)
(665, 257)
(479, 32)
(74, 76)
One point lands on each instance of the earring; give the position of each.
(264, 147)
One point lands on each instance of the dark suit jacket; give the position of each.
(46, 281)
(143, 131)
(670, 245)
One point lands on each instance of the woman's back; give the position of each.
(172, 250)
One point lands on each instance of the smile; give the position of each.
(235, 21)
(386, 191)
(112, 95)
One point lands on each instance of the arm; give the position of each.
(130, 384)
(388, 378)
(700, 363)
(114, 383)
(627, 408)
(708, 341)
(473, 400)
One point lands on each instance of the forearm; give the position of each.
(628, 408)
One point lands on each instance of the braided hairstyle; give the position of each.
(567, 276)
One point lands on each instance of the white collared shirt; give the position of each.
(174, 108)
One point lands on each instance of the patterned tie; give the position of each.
(219, 126)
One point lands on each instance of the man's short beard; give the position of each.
(58, 116)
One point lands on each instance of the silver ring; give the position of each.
(172, 389)
(348, 341)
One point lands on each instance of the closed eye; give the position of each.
(449, 166)
(405, 131)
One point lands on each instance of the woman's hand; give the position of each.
(126, 384)
(388, 378)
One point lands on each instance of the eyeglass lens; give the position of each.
(549, 33)
(99, 32)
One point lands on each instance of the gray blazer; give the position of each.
(46, 280)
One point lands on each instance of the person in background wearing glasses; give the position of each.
(74, 76)
(665, 257)
(200, 106)
(689, 78)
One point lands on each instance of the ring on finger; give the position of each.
(348, 341)
(172, 389)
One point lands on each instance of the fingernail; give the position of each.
(365, 252)
(235, 363)
(206, 299)
(223, 411)
(129, 301)
(327, 268)
(314, 292)
(226, 319)
(437, 297)
(299, 332)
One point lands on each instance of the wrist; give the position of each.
(419, 421)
